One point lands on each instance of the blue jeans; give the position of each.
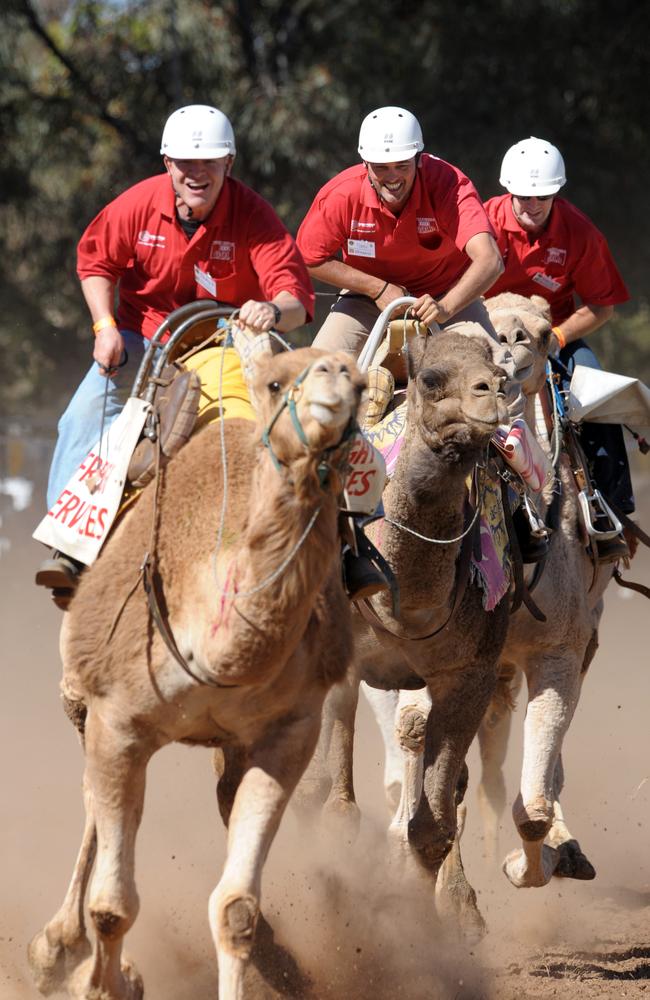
(79, 427)
(603, 444)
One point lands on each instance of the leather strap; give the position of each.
(629, 585)
(368, 613)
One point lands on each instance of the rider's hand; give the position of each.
(429, 311)
(258, 316)
(109, 349)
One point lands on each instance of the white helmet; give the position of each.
(389, 135)
(532, 167)
(198, 132)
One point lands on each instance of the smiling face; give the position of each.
(393, 182)
(197, 184)
(532, 213)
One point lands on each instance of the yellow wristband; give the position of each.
(559, 336)
(103, 323)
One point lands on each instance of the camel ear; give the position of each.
(542, 306)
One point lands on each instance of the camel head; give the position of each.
(456, 394)
(308, 400)
(524, 325)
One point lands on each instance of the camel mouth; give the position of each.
(324, 413)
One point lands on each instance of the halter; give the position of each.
(289, 400)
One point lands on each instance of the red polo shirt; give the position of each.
(241, 251)
(421, 249)
(569, 257)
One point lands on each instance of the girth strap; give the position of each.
(629, 585)
(153, 590)
(368, 613)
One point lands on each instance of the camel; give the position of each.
(553, 655)
(247, 571)
(455, 401)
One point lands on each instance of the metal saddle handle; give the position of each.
(594, 506)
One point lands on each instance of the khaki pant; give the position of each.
(352, 317)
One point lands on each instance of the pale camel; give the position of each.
(553, 655)
(263, 626)
(455, 401)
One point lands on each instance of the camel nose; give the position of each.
(515, 336)
(481, 387)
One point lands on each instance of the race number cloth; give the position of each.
(605, 398)
(523, 453)
(79, 522)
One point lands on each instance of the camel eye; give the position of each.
(274, 388)
(344, 370)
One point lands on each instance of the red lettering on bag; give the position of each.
(67, 508)
(89, 469)
(78, 515)
(101, 520)
(361, 479)
(90, 523)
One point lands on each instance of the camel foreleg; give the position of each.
(554, 687)
(384, 707)
(493, 736)
(409, 729)
(275, 767)
(115, 776)
(57, 950)
(328, 784)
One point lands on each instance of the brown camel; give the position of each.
(553, 655)
(455, 401)
(262, 629)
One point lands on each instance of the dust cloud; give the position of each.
(343, 928)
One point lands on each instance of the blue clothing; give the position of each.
(80, 426)
(603, 444)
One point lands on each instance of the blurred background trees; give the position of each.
(87, 84)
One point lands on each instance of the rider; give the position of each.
(402, 222)
(191, 232)
(551, 248)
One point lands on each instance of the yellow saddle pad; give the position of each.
(220, 366)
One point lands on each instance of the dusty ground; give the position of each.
(350, 933)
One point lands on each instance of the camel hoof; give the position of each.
(523, 875)
(130, 987)
(573, 863)
(342, 818)
(463, 915)
(52, 963)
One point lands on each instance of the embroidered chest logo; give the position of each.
(426, 226)
(555, 255)
(151, 239)
(362, 227)
(222, 250)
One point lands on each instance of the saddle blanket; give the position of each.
(494, 570)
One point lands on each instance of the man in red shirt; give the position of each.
(401, 222)
(191, 232)
(551, 248)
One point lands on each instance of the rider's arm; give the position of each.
(99, 293)
(335, 272)
(486, 266)
(581, 323)
(261, 316)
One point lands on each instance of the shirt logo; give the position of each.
(151, 239)
(222, 250)
(555, 255)
(362, 227)
(426, 226)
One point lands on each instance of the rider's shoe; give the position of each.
(612, 549)
(60, 572)
(361, 578)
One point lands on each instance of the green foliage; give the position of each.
(87, 84)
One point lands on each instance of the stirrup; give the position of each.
(600, 509)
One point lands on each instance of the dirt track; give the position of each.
(351, 934)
